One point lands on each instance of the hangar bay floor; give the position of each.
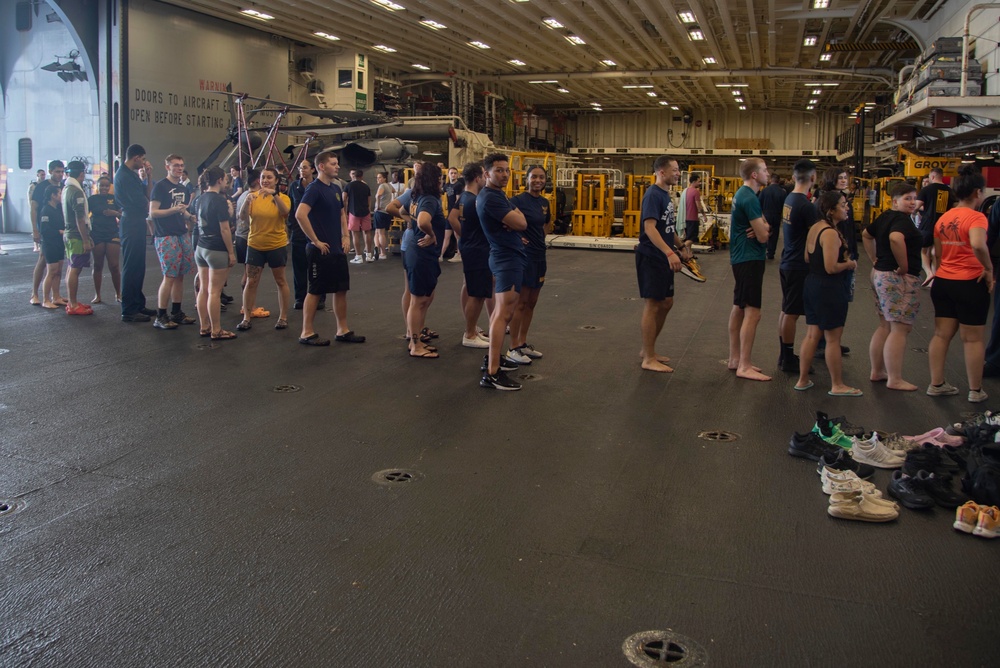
(172, 509)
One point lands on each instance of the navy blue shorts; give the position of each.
(327, 273)
(382, 220)
(656, 280)
(508, 275)
(534, 273)
(479, 283)
(422, 275)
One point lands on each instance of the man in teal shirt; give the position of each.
(748, 232)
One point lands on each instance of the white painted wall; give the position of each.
(60, 118)
(175, 58)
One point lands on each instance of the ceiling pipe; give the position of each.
(975, 9)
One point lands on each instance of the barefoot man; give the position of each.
(748, 232)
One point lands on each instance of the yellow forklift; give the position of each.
(594, 209)
(518, 183)
(635, 190)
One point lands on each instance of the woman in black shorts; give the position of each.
(50, 228)
(963, 280)
(107, 238)
(826, 292)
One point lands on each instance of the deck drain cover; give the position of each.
(285, 389)
(10, 507)
(590, 328)
(396, 476)
(207, 346)
(919, 350)
(718, 435)
(3, 351)
(654, 649)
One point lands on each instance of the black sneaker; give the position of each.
(810, 446)
(135, 317)
(182, 319)
(931, 458)
(505, 364)
(938, 487)
(821, 352)
(297, 306)
(790, 363)
(147, 311)
(910, 490)
(842, 461)
(164, 322)
(225, 299)
(499, 382)
(848, 428)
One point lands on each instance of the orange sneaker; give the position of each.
(988, 525)
(966, 517)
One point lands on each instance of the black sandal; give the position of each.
(350, 337)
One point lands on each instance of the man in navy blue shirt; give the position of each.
(656, 261)
(502, 225)
(798, 215)
(475, 252)
(132, 195)
(322, 217)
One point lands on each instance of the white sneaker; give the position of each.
(475, 342)
(483, 334)
(457, 258)
(855, 485)
(383, 256)
(977, 396)
(945, 390)
(871, 451)
(530, 351)
(369, 257)
(358, 260)
(855, 506)
(516, 356)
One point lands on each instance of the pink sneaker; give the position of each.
(938, 437)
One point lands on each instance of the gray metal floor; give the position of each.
(177, 512)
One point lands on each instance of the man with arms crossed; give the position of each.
(502, 225)
(748, 233)
(656, 261)
(322, 216)
(797, 217)
(132, 196)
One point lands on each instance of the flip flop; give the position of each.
(223, 335)
(428, 333)
(281, 324)
(205, 332)
(426, 347)
(350, 337)
(313, 340)
(803, 389)
(853, 392)
(427, 354)
(34, 303)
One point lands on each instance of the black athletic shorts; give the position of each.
(656, 280)
(240, 246)
(479, 283)
(749, 283)
(793, 282)
(691, 231)
(272, 258)
(534, 274)
(327, 273)
(382, 220)
(965, 301)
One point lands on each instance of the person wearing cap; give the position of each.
(77, 235)
(132, 196)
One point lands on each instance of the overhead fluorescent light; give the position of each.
(738, 100)
(389, 4)
(651, 93)
(814, 84)
(696, 35)
(637, 86)
(552, 23)
(708, 60)
(736, 92)
(826, 57)
(423, 68)
(821, 4)
(609, 62)
(810, 107)
(810, 40)
(686, 17)
(384, 49)
(575, 39)
(562, 90)
(675, 107)
(814, 101)
(732, 85)
(433, 25)
(515, 61)
(743, 107)
(257, 15)
(547, 81)
(817, 91)
(324, 35)
(479, 45)
(664, 103)
(595, 104)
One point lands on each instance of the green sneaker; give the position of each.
(832, 434)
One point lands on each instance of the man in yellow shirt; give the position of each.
(267, 211)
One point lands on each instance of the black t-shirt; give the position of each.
(50, 220)
(358, 194)
(452, 191)
(887, 223)
(937, 198)
(169, 194)
(536, 213)
(100, 224)
(798, 215)
(213, 211)
(772, 202)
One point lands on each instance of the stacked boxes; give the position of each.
(940, 74)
